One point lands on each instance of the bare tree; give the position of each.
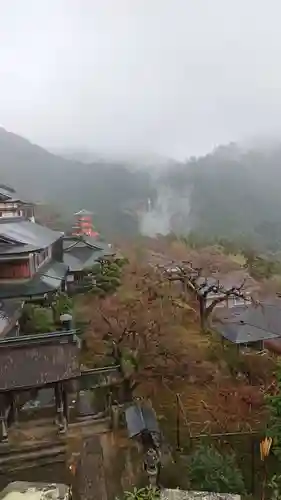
(192, 280)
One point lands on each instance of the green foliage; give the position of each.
(36, 319)
(209, 470)
(148, 493)
(274, 408)
(261, 267)
(196, 240)
(63, 304)
(128, 362)
(108, 277)
(232, 194)
(274, 487)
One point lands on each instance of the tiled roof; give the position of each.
(227, 281)
(47, 279)
(28, 233)
(7, 192)
(82, 241)
(7, 250)
(244, 324)
(82, 253)
(25, 364)
(77, 261)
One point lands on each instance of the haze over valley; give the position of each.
(232, 192)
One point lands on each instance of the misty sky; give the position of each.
(174, 77)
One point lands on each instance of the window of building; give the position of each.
(16, 270)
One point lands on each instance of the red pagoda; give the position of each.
(84, 224)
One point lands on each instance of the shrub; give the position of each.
(147, 493)
(209, 470)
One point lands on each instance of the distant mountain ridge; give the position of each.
(105, 188)
(233, 192)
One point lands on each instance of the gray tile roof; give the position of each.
(234, 279)
(81, 260)
(28, 233)
(71, 241)
(82, 253)
(7, 192)
(252, 323)
(48, 279)
(35, 364)
(7, 250)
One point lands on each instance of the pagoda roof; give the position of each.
(84, 212)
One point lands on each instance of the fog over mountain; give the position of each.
(233, 192)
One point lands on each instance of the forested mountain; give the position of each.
(233, 192)
(110, 190)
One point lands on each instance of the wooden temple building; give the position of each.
(12, 205)
(29, 363)
(31, 260)
(32, 364)
(80, 253)
(37, 263)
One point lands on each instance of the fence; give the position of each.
(244, 445)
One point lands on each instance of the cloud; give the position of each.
(174, 77)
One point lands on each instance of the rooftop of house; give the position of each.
(8, 193)
(23, 490)
(82, 252)
(46, 280)
(82, 258)
(38, 360)
(251, 323)
(234, 279)
(83, 240)
(20, 232)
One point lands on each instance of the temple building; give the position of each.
(11, 205)
(31, 259)
(33, 362)
(80, 253)
(84, 224)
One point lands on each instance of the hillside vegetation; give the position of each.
(231, 193)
